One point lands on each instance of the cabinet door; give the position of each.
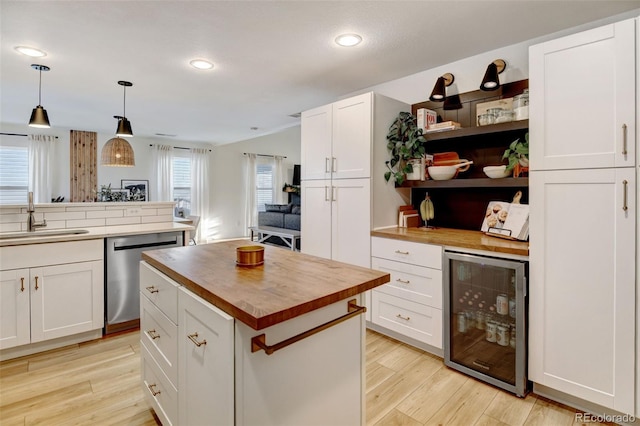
(205, 363)
(315, 136)
(351, 146)
(315, 220)
(351, 221)
(582, 284)
(66, 299)
(14, 308)
(582, 99)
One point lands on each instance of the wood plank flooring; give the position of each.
(98, 383)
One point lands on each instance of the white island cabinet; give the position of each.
(279, 344)
(583, 224)
(49, 291)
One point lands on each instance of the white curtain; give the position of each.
(200, 190)
(163, 160)
(250, 207)
(39, 170)
(278, 179)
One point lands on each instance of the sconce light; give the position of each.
(124, 126)
(39, 117)
(491, 80)
(439, 92)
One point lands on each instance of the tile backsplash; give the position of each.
(86, 215)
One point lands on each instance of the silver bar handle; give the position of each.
(152, 289)
(625, 206)
(402, 252)
(333, 165)
(326, 193)
(403, 318)
(624, 139)
(403, 281)
(333, 193)
(326, 165)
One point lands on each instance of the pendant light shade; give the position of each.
(491, 80)
(117, 153)
(124, 126)
(438, 94)
(39, 117)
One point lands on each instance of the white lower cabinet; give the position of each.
(40, 300)
(205, 372)
(411, 303)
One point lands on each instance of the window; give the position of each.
(264, 185)
(182, 184)
(14, 174)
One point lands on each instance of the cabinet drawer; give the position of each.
(419, 254)
(165, 400)
(160, 290)
(411, 319)
(416, 283)
(160, 336)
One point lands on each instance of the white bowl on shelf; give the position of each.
(496, 172)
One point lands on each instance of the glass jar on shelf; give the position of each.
(521, 105)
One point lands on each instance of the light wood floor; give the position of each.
(98, 383)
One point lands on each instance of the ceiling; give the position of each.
(272, 58)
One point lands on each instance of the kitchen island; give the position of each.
(281, 343)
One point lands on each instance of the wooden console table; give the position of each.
(289, 236)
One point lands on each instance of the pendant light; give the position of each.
(438, 94)
(491, 80)
(124, 126)
(39, 117)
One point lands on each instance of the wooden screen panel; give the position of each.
(83, 154)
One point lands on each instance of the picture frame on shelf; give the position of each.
(138, 189)
(120, 195)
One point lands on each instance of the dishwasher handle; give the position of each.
(171, 242)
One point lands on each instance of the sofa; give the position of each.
(285, 216)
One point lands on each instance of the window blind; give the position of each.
(264, 186)
(14, 175)
(182, 182)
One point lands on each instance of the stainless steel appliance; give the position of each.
(122, 276)
(485, 302)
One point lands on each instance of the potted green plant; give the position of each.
(405, 143)
(517, 153)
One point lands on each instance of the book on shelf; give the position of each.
(507, 220)
(444, 126)
(425, 117)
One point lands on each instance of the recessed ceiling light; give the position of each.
(30, 51)
(201, 64)
(348, 40)
(253, 128)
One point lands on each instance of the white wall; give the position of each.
(229, 193)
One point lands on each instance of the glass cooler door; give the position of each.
(485, 319)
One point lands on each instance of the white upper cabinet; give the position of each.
(582, 99)
(336, 140)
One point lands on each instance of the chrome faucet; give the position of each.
(31, 221)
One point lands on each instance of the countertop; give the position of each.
(455, 238)
(287, 285)
(97, 232)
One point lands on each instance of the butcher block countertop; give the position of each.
(287, 285)
(452, 238)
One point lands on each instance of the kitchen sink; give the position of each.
(49, 233)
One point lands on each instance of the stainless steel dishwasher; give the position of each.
(122, 276)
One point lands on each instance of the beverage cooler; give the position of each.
(485, 303)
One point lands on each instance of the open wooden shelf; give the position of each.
(521, 182)
(469, 132)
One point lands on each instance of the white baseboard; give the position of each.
(47, 345)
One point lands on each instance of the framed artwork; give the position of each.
(138, 189)
(120, 195)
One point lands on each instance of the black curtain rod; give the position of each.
(265, 155)
(18, 134)
(176, 147)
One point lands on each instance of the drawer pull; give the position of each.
(625, 207)
(36, 282)
(152, 289)
(153, 391)
(259, 342)
(21, 283)
(402, 252)
(153, 334)
(403, 318)
(624, 139)
(194, 338)
(403, 281)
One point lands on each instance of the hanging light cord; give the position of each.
(124, 103)
(40, 87)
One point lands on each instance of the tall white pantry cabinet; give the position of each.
(343, 192)
(583, 319)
